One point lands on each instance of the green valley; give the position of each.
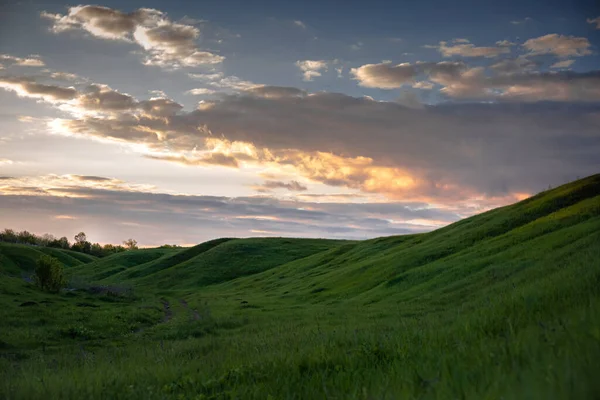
(502, 305)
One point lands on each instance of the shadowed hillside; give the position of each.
(15, 258)
(505, 304)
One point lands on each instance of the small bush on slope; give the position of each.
(49, 274)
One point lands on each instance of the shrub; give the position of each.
(49, 274)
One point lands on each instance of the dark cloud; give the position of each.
(103, 98)
(445, 152)
(27, 87)
(92, 178)
(486, 147)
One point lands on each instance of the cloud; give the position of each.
(562, 64)
(311, 68)
(293, 186)
(384, 75)
(275, 92)
(388, 76)
(94, 99)
(192, 219)
(167, 44)
(300, 24)
(68, 217)
(485, 151)
(519, 64)
(92, 178)
(594, 21)
(521, 21)
(6, 161)
(219, 159)
(510, 79)
(559, 45)
(59, 185)
(505, 43)
(235, 83)
(207, 77)
(528, 86)
(65, 76)
(103, 98)
(465, 49)
(31, 61)
(25, 87)
(200, 91)
(423, 85)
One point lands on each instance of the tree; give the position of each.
(46, 239)
(49, 274)
(9, 236)
(96, 250)
(26, 237)
(131, 244)
(80, 238)
(63, 242)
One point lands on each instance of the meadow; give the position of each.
(502, 305)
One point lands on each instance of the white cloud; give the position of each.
(388, 76)
(559, 45)
(311, 68)
(505, 43)
(470, 50)
(562, 64)
(300, 24)
(235, 83)
(200, 91)
(207, 76)
(423, 85)
(33, 60)
(65, 76)
(167, 43)
(511, 79)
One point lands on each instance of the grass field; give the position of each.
(503, 305)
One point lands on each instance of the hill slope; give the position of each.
(505, 304)
(17, 258)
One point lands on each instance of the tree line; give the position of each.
(80, 244)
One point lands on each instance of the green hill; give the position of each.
(505, 304)
(16, 258)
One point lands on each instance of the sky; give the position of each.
(178, 122)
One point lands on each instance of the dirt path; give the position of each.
(195, 314)
(167, 310)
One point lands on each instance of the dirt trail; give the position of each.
(167, 310)
(195, 314)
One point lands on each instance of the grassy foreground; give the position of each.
(504, 305)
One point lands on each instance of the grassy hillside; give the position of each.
(17, 258)
(505, 304)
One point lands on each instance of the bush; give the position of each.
(49, 274)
